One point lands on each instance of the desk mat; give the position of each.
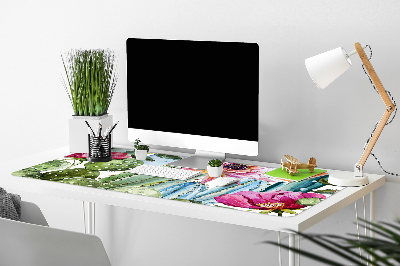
(256, 192)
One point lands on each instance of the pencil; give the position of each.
(89, 127)
(100, 128)
(112, 129)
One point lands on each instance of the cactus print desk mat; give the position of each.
(256, 192)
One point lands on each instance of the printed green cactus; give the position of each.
(35, 171)
(114, 165)
(70, 173)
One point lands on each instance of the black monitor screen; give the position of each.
(193, 87)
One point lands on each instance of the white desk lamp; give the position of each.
(324, 69)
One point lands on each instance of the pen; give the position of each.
(90, 132)
(100, 127)
(112, 129)
(89, 127)
(106, 132)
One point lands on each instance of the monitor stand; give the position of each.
(199, 160)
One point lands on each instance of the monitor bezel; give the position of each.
(208, 144)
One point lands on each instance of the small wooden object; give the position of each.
(292, 164)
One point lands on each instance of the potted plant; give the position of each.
(90, 82)
(215, 168)
(384, 250)
(140, 150)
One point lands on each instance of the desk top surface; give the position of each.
(260, 200)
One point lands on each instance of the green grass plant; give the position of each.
(91, 80)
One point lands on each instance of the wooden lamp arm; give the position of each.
(371, 71)
(389, 109)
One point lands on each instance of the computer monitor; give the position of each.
(199, 95)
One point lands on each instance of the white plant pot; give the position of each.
(141, 154)
(78, 131)
(214, 171)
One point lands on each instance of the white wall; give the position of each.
(296, 118)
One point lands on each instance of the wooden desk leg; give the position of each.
(292, 243)
(89, 220)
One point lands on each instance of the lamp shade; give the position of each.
(326, 67)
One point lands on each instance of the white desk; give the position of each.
(297, 223)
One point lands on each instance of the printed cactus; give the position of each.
(85, 182)
(70, 173)
(36, 170)
(130, 179)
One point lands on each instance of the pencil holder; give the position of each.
(99, 149)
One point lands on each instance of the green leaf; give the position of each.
(324, 181)
(289, 211)
(382, 251)
(326, 191)
(28, 173)
(69, 173)
(36, 170)
(85, 182)
(308, 201)
(114, 165)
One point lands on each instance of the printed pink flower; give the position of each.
(78, 155)
(266, 200)
(119, 155)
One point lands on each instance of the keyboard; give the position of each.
(167, 172)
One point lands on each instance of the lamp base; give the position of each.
(347, 179)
